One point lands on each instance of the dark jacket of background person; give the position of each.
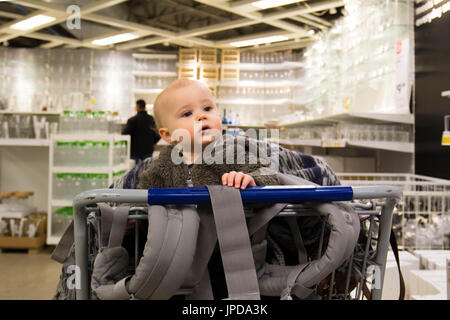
(142, 129)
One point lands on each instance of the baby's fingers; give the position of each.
(225, 178)
(248, 181)
(238, 179)
(230, 178)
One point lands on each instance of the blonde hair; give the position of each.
(158, 105)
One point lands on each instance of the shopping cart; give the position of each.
(373, 204)
(421, 220)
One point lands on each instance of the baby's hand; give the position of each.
(238, 179)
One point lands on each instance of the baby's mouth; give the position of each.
(205, 129)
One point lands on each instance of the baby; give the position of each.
(186, 115)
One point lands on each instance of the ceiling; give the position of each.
(166, 25)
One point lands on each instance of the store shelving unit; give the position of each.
(149, 66)
(286, 65)
(259, 96)
(258, 102)
(109, 170)
(405, 147)
(302, 142)
(155, 73)
(354, 117)
(38, 113)
(384, 145)
(25, 142)
(147, 91)
(259, 84)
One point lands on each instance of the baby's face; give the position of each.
(191, 108)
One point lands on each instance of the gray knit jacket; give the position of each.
(163, 173)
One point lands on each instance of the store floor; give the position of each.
(26, 276)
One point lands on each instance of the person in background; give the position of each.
(142, 129)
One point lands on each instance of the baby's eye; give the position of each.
(208, 108)
(186, 114)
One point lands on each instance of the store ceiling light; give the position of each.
(115, 39)
(265, 4)
(32, 22)
(252, 42)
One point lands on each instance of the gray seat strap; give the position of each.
(106, 222)
(118, 227)
(302, 254)
(234, 242)
(62, 250)
(198, 275)
(263, 216)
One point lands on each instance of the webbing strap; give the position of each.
(106, 223)
(234, 242)
(302, 254)
(62, 250)
(118, 227)
(206, 241)
(292, 286)
(393, 241)
(263, 216)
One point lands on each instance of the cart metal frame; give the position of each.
(425, 200)
(377, 212)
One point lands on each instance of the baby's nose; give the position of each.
(201, 116)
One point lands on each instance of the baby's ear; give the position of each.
(165, 134)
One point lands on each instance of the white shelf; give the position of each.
(256, 101)
(147, 91)
(68, 169)
(406, 147)
(334, 143)
(236, 126)
(90, 137)
(445, 93)
(268, 66)
(302, 142)
(120, 167)
(109, 170)
(259, 84)
(155, 73)
(38, 113)
(382, 117)
(25, 142)
(380, 145)
(103, 170)
(354, 116)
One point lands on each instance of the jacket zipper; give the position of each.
(189, 181)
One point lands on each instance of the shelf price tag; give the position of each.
(402, 76)
(347, 103)
(446, 138)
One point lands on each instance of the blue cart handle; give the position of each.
(269, 194)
